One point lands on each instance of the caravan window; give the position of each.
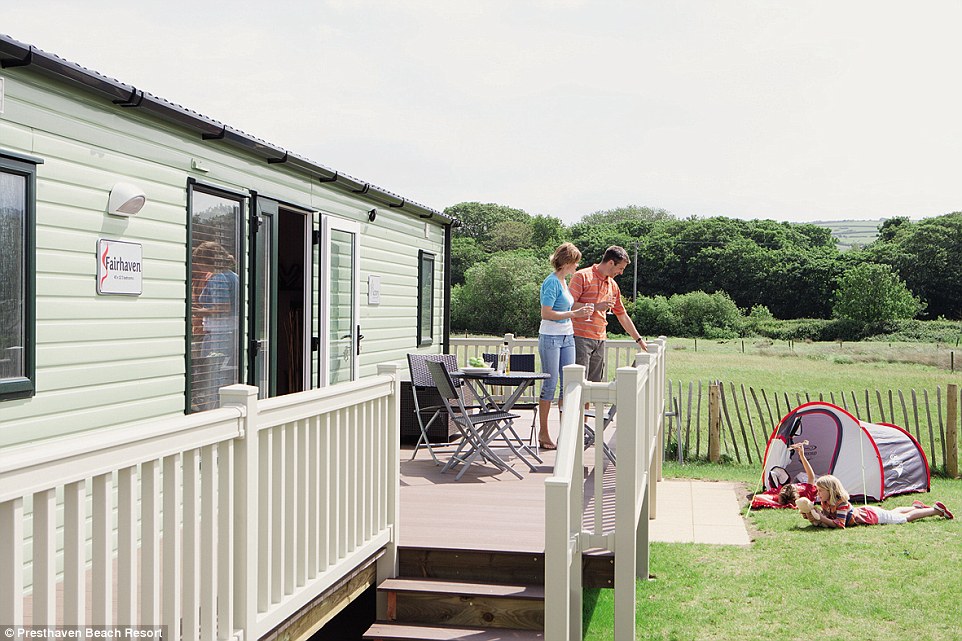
(425, 298)
(215, 296)
(17, 204)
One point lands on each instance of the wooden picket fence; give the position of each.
(749, 415)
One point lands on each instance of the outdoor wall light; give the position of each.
(126, 199)
(371, 215)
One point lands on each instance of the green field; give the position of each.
(852, 232)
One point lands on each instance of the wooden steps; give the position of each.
(489, 605)
(472, 565)
(463, 594)
(385, 631)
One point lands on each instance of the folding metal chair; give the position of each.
(421, 383)
(478, 429)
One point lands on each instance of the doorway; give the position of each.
(292, 344)
(279, 345)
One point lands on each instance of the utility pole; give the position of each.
(634, 294)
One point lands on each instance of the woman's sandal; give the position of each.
(944, 511)
(547, 446)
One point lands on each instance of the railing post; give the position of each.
(661, 364)
(656, 411)
(246, 516)
(574, 375)
(952, 431)
(563, 522)
(11, 570)
(387, 565)
(633, 441)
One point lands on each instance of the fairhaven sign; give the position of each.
(120, 267)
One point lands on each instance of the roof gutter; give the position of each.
(14, 54)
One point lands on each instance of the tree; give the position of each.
(508, 235)
(501, 295)
(547, 232)
(628, 213)
(465, 253)
(891, 228)
(928, 256)
(871, 293)
(478, 220)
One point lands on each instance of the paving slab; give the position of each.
(691, 511)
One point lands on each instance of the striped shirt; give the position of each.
(845, 515)
(589, 286)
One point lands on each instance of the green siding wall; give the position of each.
(108, 360)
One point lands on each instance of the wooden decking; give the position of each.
(485, 510)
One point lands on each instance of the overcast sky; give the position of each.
(799, 111)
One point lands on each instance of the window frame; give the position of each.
(244, 201)
(425, 339)
(25, 386)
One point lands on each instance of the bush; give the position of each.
(652, 316)
(758, 315)
(798, 329)
(912, 331)
(712, 315)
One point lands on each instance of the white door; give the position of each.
(339, 274)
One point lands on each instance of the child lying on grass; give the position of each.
(837, 512)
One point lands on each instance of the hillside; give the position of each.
(852, 232)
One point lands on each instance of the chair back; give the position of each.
(420, 375)
(519, 362)
(522, 362)
(446, 388)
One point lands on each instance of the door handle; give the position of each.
(360, 336)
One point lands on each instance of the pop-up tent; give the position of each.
(872, 460)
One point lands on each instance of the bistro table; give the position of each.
(481, 383)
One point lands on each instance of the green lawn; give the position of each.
(894, 582)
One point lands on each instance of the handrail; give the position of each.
(219, 525)
(639, 394)
(617, 352)
(35, 466)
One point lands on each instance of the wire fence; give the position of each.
(749, 416)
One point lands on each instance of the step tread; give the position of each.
(389, 631)
(463, 588)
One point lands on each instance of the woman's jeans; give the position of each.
(556, 351)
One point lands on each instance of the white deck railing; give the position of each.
(639, 393)
(617, 353)
(219, 525)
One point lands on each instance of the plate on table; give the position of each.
(477, 370)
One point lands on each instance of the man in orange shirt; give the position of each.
(596, 284)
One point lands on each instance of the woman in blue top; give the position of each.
(556, 343)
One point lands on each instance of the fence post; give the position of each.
(951, 431)
(246, 516)
(714, 423)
